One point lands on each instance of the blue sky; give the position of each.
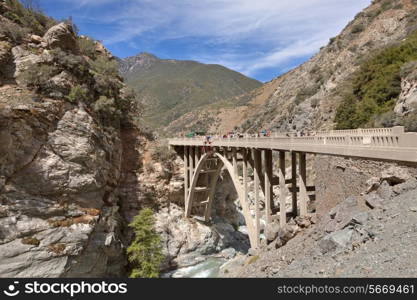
(260, 38)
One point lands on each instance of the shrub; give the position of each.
(386, 4)
(315, 102)
(387, 119)
(408, 68)
(87, 47)
(409, 121)
(29, 15)
(37, 76)
(105, 66)
(105, 105)
(145, 252)
(376, 85)
(163, 153)
(57, 248)
(13, 31)
(107, 85)
(358, 28)
(305, 93)
(77, 94)
(31, 241)
(75, 63)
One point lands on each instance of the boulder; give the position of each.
(395, 175)
(410, 184)
(228, 253)
(185, 239)
(61, 84)
(61, 36)
(24, 59)
(385, 191)
(373, 200)
(271, 232)
(36, 39)
(287, 232)
(337, 240)
(360, 218)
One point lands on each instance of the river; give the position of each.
(206, 269)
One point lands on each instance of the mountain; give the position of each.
(171, 88)
(363, 77)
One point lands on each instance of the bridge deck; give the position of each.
(382, 144)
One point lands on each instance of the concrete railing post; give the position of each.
(398, 130)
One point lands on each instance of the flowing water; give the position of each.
(206, 269)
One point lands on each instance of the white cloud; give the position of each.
(273, 31)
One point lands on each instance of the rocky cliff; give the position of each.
(64, 113)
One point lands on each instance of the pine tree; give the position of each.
(145, 252)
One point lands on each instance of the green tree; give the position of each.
(145, 252)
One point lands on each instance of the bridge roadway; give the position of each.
(203, 162)
(381, 144)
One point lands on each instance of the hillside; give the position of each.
(354, 73)
(172, 88)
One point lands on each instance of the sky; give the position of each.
(259, 38)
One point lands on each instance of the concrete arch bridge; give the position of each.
(205, 158)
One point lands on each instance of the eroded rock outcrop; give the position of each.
(60, 36)
(407, 101)
(59, 170)
(62, 156)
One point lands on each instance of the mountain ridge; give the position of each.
(171, 88)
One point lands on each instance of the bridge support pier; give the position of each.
(234, 161)
(294, 183)
(186, 170)
(282, 191)
(256, 156)
(303, 182)
(191, 162)
(267, 167)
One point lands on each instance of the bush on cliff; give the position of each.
(376, 85)
(28, 14)
(145, 252)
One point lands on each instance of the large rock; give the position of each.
(407, 101)
(58, 206)
(24, 59)
(61, 36)
(336, 241)
(395, 175)
(184, 240)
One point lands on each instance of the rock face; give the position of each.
(58, 176)
(62, 161)
(407, 102)
(186, 242)
(60, 36)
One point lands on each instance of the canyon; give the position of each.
(78, 161)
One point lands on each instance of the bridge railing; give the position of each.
(375, 137)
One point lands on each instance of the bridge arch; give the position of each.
(223, 163)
